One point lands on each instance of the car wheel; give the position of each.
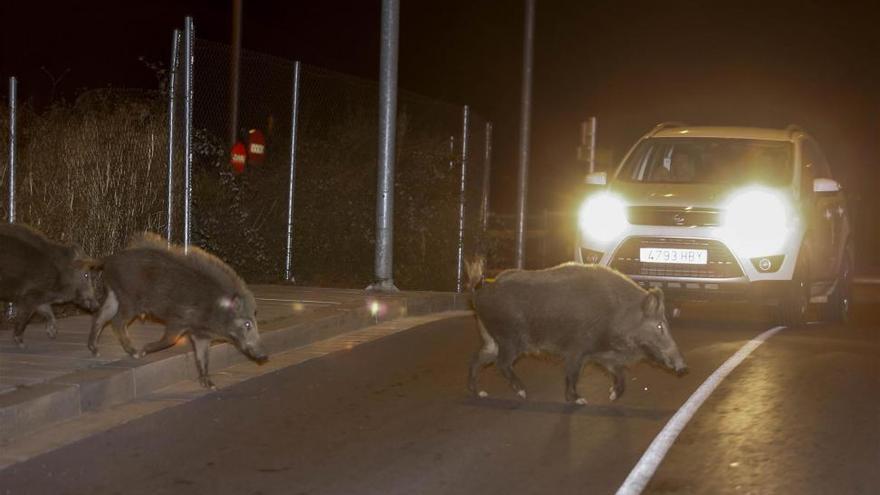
(795, 301)
(837, 308)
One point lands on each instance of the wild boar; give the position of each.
(579, 312)
(36, 273)
(194, 294)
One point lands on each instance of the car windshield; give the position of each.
(709, 161)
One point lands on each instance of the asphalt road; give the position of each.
(800, 415)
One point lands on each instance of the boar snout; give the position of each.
(677, 364)
(257, 353)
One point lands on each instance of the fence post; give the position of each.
(13, 105)
(172, 89)
(465, 123)
(187, 133)
(387, 137)
(234, 71)
(294, 119)
(524, 133)
(487, 167)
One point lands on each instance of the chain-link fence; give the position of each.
(4, 158)
(242, 217)
(94, 171)
(91, 170)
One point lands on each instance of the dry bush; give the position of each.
(93, 171)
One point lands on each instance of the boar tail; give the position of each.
(474, 267)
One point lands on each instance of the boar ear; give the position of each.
(231, 303)
(652, 304)
(89, 263)
(94, 264)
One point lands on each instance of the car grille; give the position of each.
(721, 262)
(682, 217)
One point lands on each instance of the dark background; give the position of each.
(632, 64)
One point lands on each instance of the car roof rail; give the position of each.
(665, 125)
(793, 128)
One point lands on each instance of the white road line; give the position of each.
(641, 474)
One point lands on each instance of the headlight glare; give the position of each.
(602, 217)
(756, 222)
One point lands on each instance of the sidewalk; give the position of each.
(57, 380)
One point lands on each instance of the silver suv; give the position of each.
(733, 213)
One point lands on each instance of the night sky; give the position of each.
(632, 64)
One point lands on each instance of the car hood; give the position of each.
(679, 195)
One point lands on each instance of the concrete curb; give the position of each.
(66, 397)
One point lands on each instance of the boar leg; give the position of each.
(106, 313)
(485, 356)
(24, 311)
(506, 357)
(201, 347)
(45, 310)
(172, 334)
(573, 367)
(120, 328)
(617, 373)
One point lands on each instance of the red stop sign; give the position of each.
(256, 147)
(239, 158)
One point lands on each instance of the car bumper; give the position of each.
(764, 292)
(742, 281)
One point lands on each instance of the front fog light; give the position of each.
(768, 264)
(602, 217)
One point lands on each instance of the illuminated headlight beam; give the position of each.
(602, 217)
(756, 222)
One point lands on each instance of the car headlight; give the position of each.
(602, 217)
(756, 222)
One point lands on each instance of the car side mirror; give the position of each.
(825, 185)
(597, 179)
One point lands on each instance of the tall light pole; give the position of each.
(387, 134)
(524, 133)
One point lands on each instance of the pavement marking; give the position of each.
(641, 474)
(302, 301)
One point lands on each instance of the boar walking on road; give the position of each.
(36, 273)
(193, 294)
(579, 312)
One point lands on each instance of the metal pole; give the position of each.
(187, 133)
(487, 168)
(13, 106)
(465, 124)
(172, 90)
(294, 119)
(387, 134)
(234, 71)
(524, 133)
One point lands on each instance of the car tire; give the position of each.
(837, 309)
(795, 300)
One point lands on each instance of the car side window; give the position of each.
(822, 168)
(809, 166)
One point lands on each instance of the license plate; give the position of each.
(672, 255)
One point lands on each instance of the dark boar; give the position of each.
(194, 294)
(36, 272)
(579, 312)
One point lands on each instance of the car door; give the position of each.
(822, 213)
